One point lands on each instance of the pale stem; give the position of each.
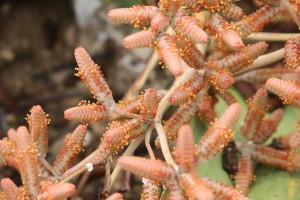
(78, 166)
(106, 187)
(78, 172)
(163, 142)
(129, 151)
(272, 36)
(81, 184)
(147, 142)
(46, 165)
(140, 81)
(126, 114)
(265, 60)
(164, 104)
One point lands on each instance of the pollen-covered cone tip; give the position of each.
(288, 91)
(72, 146)
(257, 108)
(219, 133)
(184, 153)
(245, 174)
(187, 90)
(222, 191)
(38, 127)
(151, 189)
(295, 139)
(28, 162)
(149, 103)
(91, 74)
(10, 189)
(169, 53)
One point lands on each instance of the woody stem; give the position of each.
(272, 36)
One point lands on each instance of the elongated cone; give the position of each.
(227, 33)
(219, 133)
(194, 187)
(176, 192)
(205, 109)
(185, 150)
(151, 190)
(149, 103)
(222, 191)
(160, 22)
(3, 195)
(7, 152)
(86, 112)
(12, 135)
(28, 162)
(190, 3)
(257, 108)
(58, 191)
(295, 139)
(188, 26)
(189, 52)
(228, 97)
(38, 127)
(288, 160)
(10, 189)
(260, 76)
(72, 146)
(187, 90)
(183, 115)
(291, 8)
(115, 196)
(214, 5)
(91, 74)
(144, 38)
(222, 79)
(244, 175)
(288, 91)
(152, 169)
(137, 15)
(117, 136)
(240, 60)
(291, 54)
(233, 11)
(255, 22)
(283, 142)
(271, 2)
(268, 126)
(169, 7)
(168, 52)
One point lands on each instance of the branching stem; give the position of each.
(129, 151)
(265, 60)
(147, 142)
(272, 36)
